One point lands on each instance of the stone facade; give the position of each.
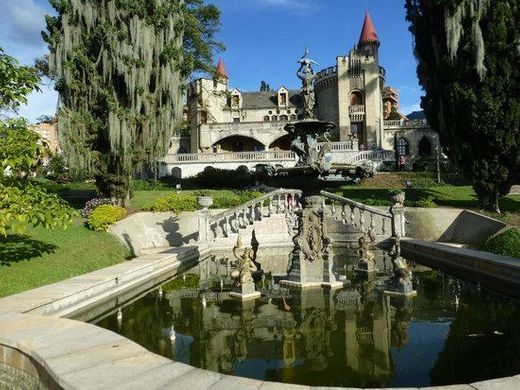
(351, 93)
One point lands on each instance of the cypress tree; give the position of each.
(468, 54)
(120, 68)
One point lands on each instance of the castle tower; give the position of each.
(221, 77)
(360, 84)
(206, 98)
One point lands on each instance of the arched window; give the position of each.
(266, 118)
(203, 117)
(425, 147)
(356, 98)
(403, 148)
(284, 118)
(274, 118)
(293, 117)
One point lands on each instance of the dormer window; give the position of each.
(235, 99)
(283, 97)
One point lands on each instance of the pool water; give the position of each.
(453, 331)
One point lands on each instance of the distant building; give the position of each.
(49, 134)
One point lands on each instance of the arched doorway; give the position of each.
(282, 143)
(425, 147)
(238, 143)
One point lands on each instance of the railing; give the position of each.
(284, 155)
(235, 126)
(356, 214)
(343, 146)
(407, 124)
(374, 155)
(232, 220)
(368, 219)
(357, 109)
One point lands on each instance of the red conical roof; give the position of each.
(221, 70)
(368, 33)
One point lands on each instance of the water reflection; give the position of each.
(358, 336)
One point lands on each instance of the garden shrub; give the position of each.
(505, 244)
(227, 202)
(105, 215)
(176, 203)
(427, 202)
(92, 204)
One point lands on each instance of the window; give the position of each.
(402, 146)
(356, 98)
(293, 117)
(266, 118)
(283, 99)
(288, 111)
(203, 117)
(284, 118)
(270, 112)
(235, 101)
(236, 120)
(274, 118)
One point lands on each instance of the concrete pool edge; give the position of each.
(77, 355)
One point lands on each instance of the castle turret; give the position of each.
(221, 77)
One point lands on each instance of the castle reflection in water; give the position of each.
(356, 336)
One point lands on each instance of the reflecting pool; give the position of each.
(453, 331)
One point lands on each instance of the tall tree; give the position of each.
(120, 69)
(21, 202)
(468, 58)
(264, 86)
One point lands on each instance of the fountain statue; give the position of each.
(366, 263)
(402, 279)
(244, 286)
(311, 260)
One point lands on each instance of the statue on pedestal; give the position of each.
(366, 256)
(244, 286)
(242, 274)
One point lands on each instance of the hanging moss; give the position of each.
(474, 11)
(118, 68)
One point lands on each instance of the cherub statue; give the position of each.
(365, 254)
(401, 271)
(242, 274)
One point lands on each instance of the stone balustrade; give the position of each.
(374, 155)
(406, 124)
(264, 156)
(231, 221)
(364, 217)
(358, 109)
(273, 155)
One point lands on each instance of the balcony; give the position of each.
(357, 113)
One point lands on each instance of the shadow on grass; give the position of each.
(16, 248)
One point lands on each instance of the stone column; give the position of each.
(398, 220)
(204, 229)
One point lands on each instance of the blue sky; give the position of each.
(263, 38)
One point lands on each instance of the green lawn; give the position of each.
(44, 256)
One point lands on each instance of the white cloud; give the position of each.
(23, 20)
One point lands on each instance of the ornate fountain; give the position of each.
(312, 258)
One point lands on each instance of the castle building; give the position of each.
(351, 93)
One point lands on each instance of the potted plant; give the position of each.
(397, 197)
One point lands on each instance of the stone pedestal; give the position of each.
(401, 289)
(312, 257)
(366, 267)
(245, 291)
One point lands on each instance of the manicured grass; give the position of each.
(44, 256)
(145, 199)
